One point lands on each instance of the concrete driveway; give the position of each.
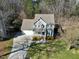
(20, 44)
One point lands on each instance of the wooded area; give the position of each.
(11, 9)
(9, 14)
(58, 7)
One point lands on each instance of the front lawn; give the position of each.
(73, 54)
(5, 48)
(52, 50)
(58, 49)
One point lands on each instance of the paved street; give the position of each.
(19, 44)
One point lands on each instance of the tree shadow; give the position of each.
(8, 53)
(23, 48)
(16, 34)
(9, 47)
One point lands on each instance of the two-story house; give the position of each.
(42, 24)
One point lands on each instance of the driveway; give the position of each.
(20, 44)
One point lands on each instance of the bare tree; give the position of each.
(10, 14)
(58, 7)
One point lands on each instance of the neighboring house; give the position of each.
(42, 24)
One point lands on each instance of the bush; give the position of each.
(49, 38)
(36, 38)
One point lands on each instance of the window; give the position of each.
(43, 33)
(42, 26)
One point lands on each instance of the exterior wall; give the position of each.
(39, 26)
(39, 23)
(50, 29)
(46, 29)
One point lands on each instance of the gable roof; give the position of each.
(39, 20)
(48, 18)
(27, 24)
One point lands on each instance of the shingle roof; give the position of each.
(27, 24)
(48, 18)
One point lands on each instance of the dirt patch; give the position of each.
(5, 47)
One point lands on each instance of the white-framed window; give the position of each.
(42, 26)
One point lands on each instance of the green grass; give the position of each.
(52, 50)
(63, 55)
(67, 55)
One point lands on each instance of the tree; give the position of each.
(28, 8)
(31, 8)
(10, 15)
(58, 7)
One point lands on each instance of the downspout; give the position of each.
(46, 32)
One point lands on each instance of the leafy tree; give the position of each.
(30, 8)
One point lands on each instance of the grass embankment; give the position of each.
(5, 48)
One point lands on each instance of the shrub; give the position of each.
(36, 38)
(49, 38)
